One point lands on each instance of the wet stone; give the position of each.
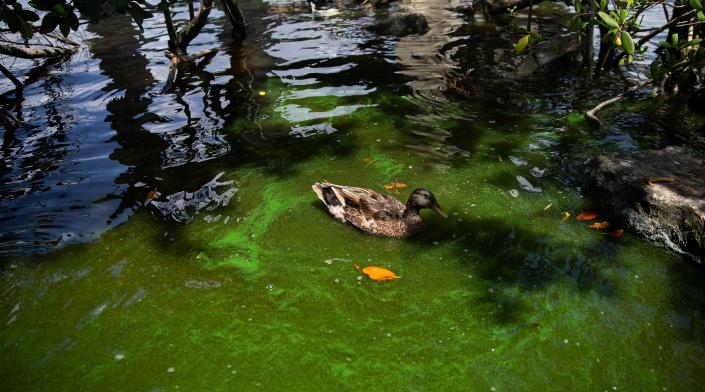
(669, 212)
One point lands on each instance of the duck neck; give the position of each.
(411, 211)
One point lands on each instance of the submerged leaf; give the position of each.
(547, 207)
(616, 233)
(377, 273)
(586, 216)
(654, 180)
(566, 215)
(395, 186)
(600, 225)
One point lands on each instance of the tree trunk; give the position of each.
(237, 18)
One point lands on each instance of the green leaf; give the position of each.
(701, 15)
(696, 4)
(627, 43)
(72, 20)
(522, 43)
(664, 44)
(608, 20)
(674, 39)
(64, 27)
(49, 22)
(44, 5)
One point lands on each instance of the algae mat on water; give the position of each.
(501, 296)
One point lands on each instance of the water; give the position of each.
(255, 288)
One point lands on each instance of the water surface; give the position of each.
(246, 283)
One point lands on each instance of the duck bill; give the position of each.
(440, 211)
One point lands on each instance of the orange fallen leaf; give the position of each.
(400, 185)
(377, 273)
(390, 186)
(654, 180)
(151, 196)
(600, 225)
(566, 215)
(616, 233)
(586, 216)
(547, 207)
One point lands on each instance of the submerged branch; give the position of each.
(590, 114)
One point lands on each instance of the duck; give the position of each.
(376, 213)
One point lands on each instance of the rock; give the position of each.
(401, 25)
(669, 214)
(548, 52)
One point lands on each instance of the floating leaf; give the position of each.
(262, 93)
(400, 185)
(389, 186)
(547, 207)
(654, 180)
(616, 233)
(153, 194)
(586, 216)
(377, 273)
(566, 216)
(600, 225)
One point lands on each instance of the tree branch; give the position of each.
(33, 53)
(18, 85)
(590, 114)
(194, 26)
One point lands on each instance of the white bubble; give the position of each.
(170, 370)
(119, 356)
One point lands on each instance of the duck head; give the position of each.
(423, 198)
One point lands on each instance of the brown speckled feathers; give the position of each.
(369, 211)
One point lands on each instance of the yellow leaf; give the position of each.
(566, 215)
(600, 225)
(377, 273)
(499, 158)
(262, 93)
(389, 186)
(522, 43)
(547, 207)
(400, 185)
(654, 180)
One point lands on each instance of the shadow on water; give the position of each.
(517, 257)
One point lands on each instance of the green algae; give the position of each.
(503, 295)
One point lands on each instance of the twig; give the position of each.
(590, 114)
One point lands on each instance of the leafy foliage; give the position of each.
(45, 16)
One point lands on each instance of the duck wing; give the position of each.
(363, 208)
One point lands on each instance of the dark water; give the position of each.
(234, 278)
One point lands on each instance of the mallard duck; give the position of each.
(376, 213)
